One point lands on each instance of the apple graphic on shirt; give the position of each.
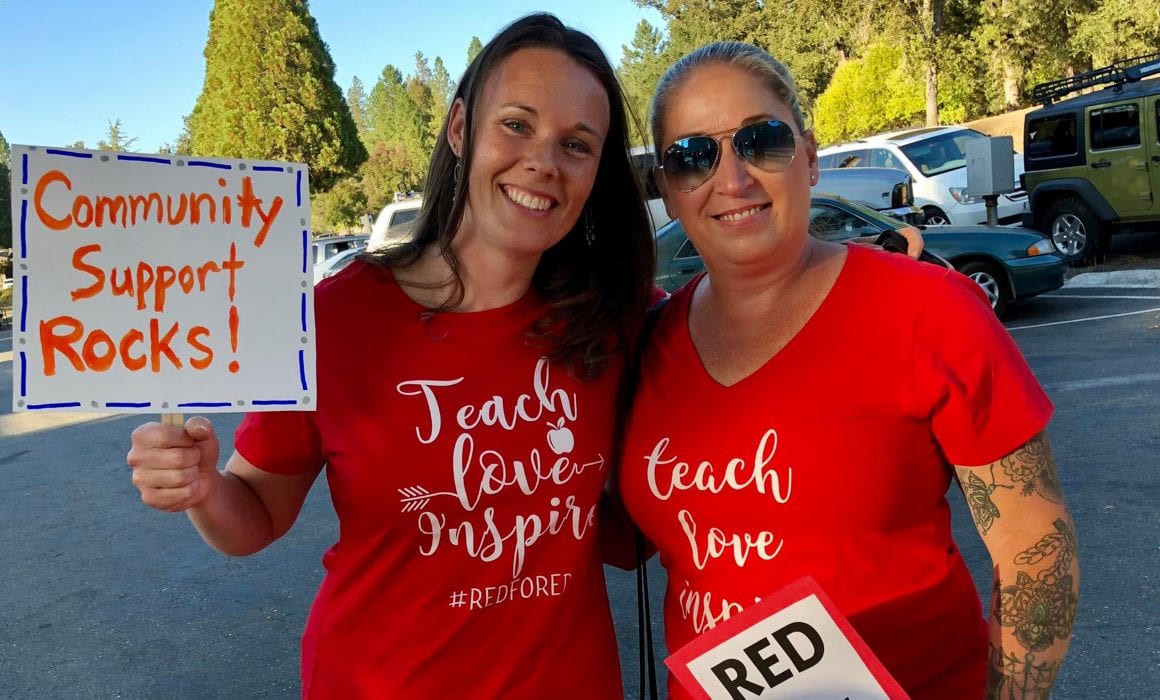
(560, 438)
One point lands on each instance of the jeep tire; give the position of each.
(1076, 231)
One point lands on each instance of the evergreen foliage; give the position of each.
(117, 141)
(863, 65)
(269, 92)
(5, 195)
(971, 58)
(398, 122)
(473, 49)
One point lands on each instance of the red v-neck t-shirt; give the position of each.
(833, 460)
(465, 471)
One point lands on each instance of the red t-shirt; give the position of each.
(465, 471)
(833, 460)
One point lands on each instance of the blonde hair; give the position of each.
(747, 57)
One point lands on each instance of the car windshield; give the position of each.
(942, 153)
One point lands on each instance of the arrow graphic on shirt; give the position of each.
(416, 498)
(598, 463)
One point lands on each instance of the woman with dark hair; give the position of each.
(758, 453)
(465, 383)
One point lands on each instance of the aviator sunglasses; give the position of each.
(689, 162)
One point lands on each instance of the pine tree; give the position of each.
(118, 141)
(269, 91)
(641, 67)
(356, 101)
(473, 49)
(5, 196)
(442, 92)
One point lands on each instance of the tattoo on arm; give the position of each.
(1034, 467)
(1031, 465)
(978, 493)
(1042, 612)
(1034, 603)
(1042, 609)
(1012, 677)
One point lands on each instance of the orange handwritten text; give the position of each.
(127, 210)
(97, 351)
(150, 284)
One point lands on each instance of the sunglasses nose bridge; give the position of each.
(731, 168)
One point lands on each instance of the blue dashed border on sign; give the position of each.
(156, 161)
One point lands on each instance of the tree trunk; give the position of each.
(932, 18)
(932, 94)
(1010, 85)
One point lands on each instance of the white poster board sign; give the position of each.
(793, 644)
(160, 283)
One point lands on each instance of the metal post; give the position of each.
(992, 201)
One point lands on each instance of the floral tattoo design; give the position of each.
(1033, 466)
(1041, 610)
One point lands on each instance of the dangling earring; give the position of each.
(589, 229)
(455, 176)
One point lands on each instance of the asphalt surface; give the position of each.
(102, 597)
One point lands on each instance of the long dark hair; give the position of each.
(594, 291)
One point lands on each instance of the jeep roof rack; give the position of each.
(1127, 70)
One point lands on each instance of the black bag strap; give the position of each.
(648, 671)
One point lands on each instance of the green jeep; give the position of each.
(1092, 162)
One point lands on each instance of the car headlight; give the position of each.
(1042, 247)
(961, 196)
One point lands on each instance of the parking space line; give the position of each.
(1103, 382)
(1081, 320)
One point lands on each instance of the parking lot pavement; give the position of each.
(1096, 349)
(102, 597)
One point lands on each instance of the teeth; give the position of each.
(527, 200)
(739, 215)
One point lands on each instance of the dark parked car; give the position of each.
(1008, 263)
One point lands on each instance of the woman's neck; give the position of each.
(490, 279)
(739, 293)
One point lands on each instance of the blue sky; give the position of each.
(69, 66)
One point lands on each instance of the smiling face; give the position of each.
(539, 129)
(741, 214)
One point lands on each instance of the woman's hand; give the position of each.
(175, 467)
(914, 242)
(893, 241)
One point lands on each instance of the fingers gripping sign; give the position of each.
(174, 466)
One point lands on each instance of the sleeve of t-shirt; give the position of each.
(971, 379)
(280, 442)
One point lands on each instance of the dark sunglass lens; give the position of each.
(689, 162)
(768, 145)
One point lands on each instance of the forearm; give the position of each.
(1033, 608)
(1019, 509)
(233, 520)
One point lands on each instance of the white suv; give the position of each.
(394, 223)
(936, 159)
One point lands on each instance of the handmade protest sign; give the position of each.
(793, 644)
(160, 283)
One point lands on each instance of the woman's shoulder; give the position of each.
(922, 292)
(886, 274)
(354, 282)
